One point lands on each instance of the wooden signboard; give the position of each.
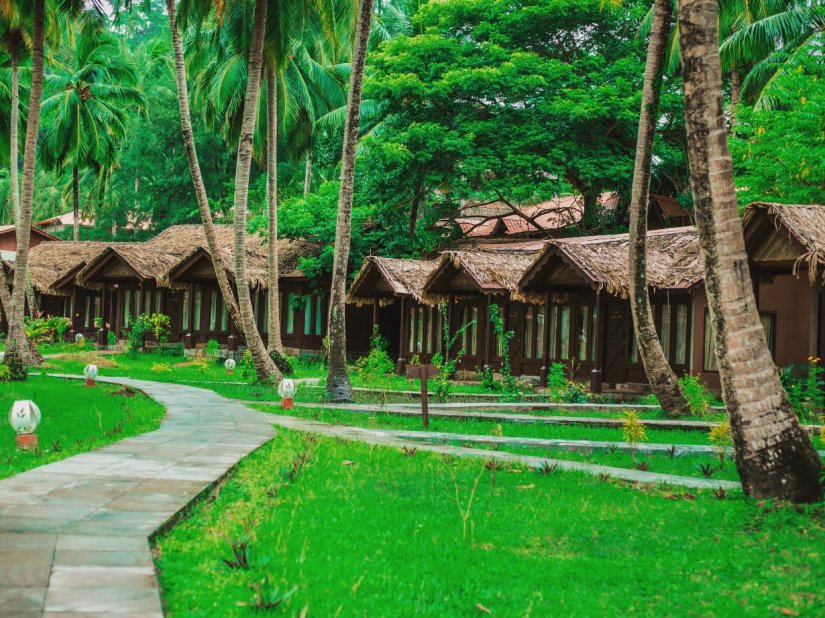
(423, 373)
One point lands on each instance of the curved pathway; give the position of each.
(74, 534)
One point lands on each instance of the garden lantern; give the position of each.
(78, 338)
(286, 389)
(230, 365)
(90, 373)
(24, 418)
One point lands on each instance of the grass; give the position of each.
(353, 530)
(75, 419)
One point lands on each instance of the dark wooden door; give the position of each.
(616, 329)
(174, 309)
(515, 323)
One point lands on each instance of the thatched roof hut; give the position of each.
(786, 235)
(673, 262)
(490, 269)
(53, 265)
(386, 278)
(168, 254)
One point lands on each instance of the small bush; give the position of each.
(248, 367)
(377, 364)
(5, 373)
(47, 330)
(160, 368)
(806, 393)
(698, 397)
(136, 339)
(14, 363)
(284, 362)
(111, 338)
(212, 348)
(561, 389)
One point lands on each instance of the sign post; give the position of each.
(423, 372)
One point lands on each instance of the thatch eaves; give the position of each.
(786, 234)
(673, 261)
(52, 265)
(383, 278)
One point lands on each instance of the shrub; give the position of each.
(14, 363)
(5, 373)
(248, 367)
(175, 349)
(136, 338)
(805, 393)
(47, 330)
(633, 430)
(504, 337)
(561, 389)
(488, 380)
(159, 325)
(212, 348)
(283, 362)
(161, 368)
(377, 364)
(111, 338)
(698, 397)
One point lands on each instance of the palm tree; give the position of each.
(338, 387)
(87, 114)
(17, 331)
(662, 379)
(242, 316)
(774, 455)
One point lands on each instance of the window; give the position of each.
(680, 356)
(213, 310)
(709, 353)
(185, 317)
(540, 329)
(307, 314)
(564, 332)
(147, 300)
(428, 341)
(158, 301)
(439, 339)
(411, 335)
(769, 324)
(127, 307)
(224, 316)
(585, 327)
(419, 330)
(290, 314)
(499, 342)
(553, 325)
(471, 334)
(319, 315)
(198, 302)
(664, 330)
(87, 318)
(529, 327)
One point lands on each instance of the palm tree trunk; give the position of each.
(274, 325)
(14, 142)
(735, 88)
(774, 455)
(264, 366)
(338, 387)
(200, 193)
(662, 379)
(75, 204)
(307, 174)
(14, 154)
(17, 331)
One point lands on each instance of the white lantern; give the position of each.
(24, 416)
(90, 372)
(2, 356)
(230, 365)
(287, 388)
(79, 337)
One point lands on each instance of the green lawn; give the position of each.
(369, 531)
(75, 419)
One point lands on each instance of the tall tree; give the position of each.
(17, 330)
(662, 379)
(86, 117)
(264, 366)
(338, 387)
(274, 342)
(774, 455)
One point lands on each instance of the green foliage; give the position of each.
(284, 362)
(160, 326)
(5, 373)
(212, 348)
(46, 330)
(805, 386)
(247, 363)
(633, 430)
(446, 364)
(778, 152)
(111, 338)
(560, 389)
(504, 337)
(699, 399)
(14, 363)
(136, 337)
(377, 364)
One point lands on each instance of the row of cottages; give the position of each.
(567, 299)
(102, 287)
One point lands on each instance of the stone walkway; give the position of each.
(74, 534)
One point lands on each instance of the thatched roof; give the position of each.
(159, 257)
(494, 269)
(52, 264)
(783, 233)
(673, 261)
(381, 277)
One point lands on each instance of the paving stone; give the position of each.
(74, 534)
